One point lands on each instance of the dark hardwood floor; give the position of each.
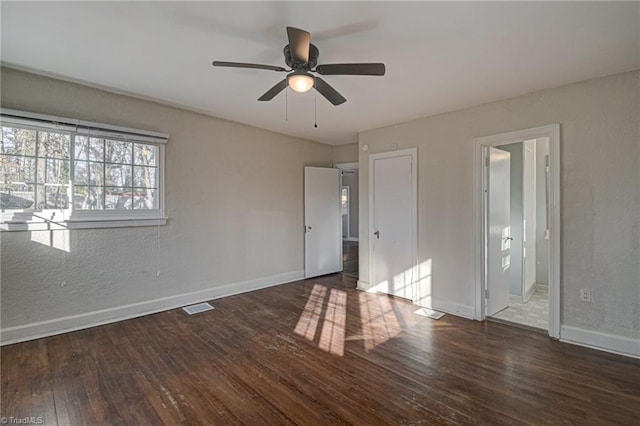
(350, 258)
(314, 352)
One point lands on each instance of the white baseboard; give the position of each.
(362, 286)
(602, 341)
(527, 295)
(55, 326)
(439, 305)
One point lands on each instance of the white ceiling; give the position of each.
(439, 56)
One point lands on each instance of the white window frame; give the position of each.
(52, 219)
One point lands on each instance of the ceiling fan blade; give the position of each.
(245, 65)
(328, 92)
(271, 93)
(351, 69)
(299, 44)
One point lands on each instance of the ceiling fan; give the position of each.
(302, 57)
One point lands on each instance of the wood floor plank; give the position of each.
(314, 352)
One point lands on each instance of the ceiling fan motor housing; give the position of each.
(302, 66)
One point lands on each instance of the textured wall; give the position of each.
(345, 153)
(234, 202)
(600, 189)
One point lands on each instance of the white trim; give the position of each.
(479, 170)
(413, 153)
(602, 341)
(527, 294)
(362, 285)
(37, 330)
(81, 224)
(348, 166)
(81, 126)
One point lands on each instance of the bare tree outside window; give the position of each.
(107, 174)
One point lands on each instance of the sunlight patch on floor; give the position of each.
(335, 321)
(379, 322)
(308, 322)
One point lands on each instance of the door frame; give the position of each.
(413, 153)
(480, 145)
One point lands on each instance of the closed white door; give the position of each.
(393, 218)
(323, 221)
(499, 230)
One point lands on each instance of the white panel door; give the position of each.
(499, 230)
(323, 221)
(392, 239)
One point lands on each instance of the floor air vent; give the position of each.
(196, 309)
(429, 313)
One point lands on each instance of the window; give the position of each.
(53, 172)
(111, 174)
(344, 200)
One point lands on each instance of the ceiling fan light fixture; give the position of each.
(300, 82)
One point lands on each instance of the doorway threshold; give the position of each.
(516, 324)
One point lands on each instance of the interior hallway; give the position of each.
(350, 258)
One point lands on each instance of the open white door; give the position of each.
(322, 219)
(499, 230)
(393, 206)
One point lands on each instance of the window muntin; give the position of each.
(78, 174)
(115, 175)
(34, 169)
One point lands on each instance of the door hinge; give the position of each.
(486, 161)
(486, 294)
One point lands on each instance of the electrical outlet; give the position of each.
(585, 295)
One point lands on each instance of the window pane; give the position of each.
(81, 173)
(144, 155)
(81, 148)
(118, 198)
(87, 198)
(18, 141)
(53, 171)
(55, 197)
(96, 149)
(17, 196)
(145, 199)
(53, 145)
(17, 170)
(144, 177)
(96, 174)
(118, 175)
(118, 152)
(89, 148)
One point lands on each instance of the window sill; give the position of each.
(82, 224)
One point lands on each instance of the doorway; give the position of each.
(322, 248)
(517, 228)
(521, 184)
(349, 208)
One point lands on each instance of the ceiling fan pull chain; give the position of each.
(286, 105)
(315, 105)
